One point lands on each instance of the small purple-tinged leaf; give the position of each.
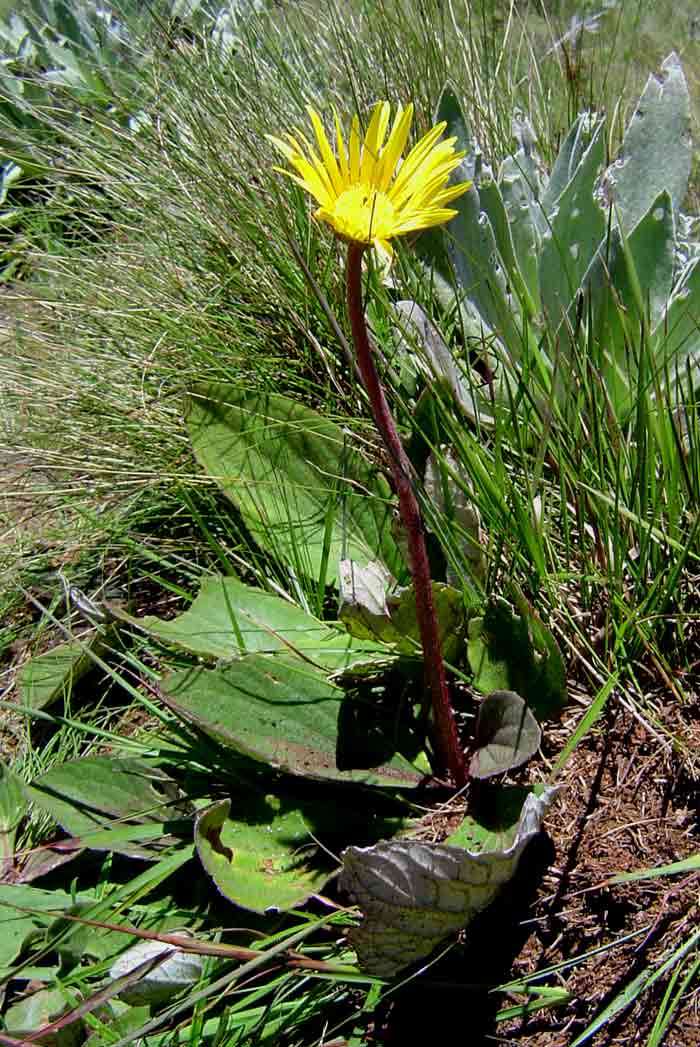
(507, 735)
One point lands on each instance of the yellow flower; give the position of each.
(365, 192)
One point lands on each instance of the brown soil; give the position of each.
(630, 800)
(629, 803)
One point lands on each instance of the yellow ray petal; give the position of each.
(394, 146)
(324, 148)
(415, 158)
(374, 140)
(313, 188)
(446, 196)
(427, 190)
(308, 179)
(354, 150)
(440, 190)
(424, 220)
(342, 153)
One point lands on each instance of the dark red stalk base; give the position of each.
(448, 748)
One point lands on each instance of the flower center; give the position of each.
(362, 214)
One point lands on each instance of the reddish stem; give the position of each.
(449, 751)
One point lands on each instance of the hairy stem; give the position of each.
(447, 744)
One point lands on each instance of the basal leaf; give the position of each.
(279, 711)
(656, 150)
(396, 623)
(460, 510)
(473, 255)
(493, 205)
(630, 284)
(507, 735)
(267, 861)
(41, 1008)
(576, 230)
(229, 619)
(450, 110)
(568, 159)
(677, 335)
(423, 347)
(92, 793)
(413, 895)
(119, 1022)
(519, 186)
(303, 491)
(16, 926)
(493, 826)
(365, 587)
(490, 670)
(177, 971)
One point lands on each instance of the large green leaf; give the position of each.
(450, 110)
(459, 508)
(422, 347)
(279, 711)
(273, 851)
(16, 926)
(679, 329)
(467, 250)
(568, 159)
(32, 1013)
(630, 286)
(493, 205)
(577, 228)
(269, 862)
(511, 651)
(229, 619)
(304, 492)
(473, 254)
(676, 339)
(656, 150)
(519, 185)
(89, 795)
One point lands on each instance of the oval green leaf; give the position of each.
(88, 795)
(305, 494)
(261, 863)
(279, 711)
(414, 894)
(52, 675)
(229, 619)
(511, 651)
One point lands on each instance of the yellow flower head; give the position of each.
(365, 192)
